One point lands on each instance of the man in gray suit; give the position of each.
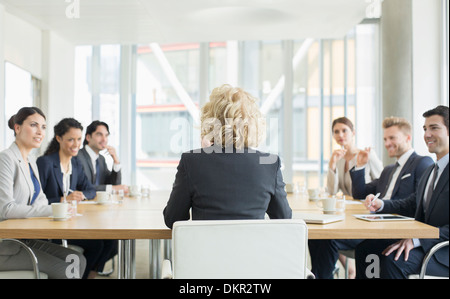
(94, 164)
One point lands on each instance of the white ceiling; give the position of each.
(167, 21)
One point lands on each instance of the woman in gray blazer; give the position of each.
(21, 196)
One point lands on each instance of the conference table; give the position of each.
(141, 218)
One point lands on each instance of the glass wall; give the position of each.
(97, 87)
(331, 78)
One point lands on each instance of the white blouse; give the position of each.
(341, 180)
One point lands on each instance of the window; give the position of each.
(167, 109)
(331, 78)
(97, 84)
(18, 93)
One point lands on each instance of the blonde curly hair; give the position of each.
(232, 117)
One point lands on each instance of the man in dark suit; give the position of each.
(94, 164)
(429, 204)
(396, 181)
(99, 175)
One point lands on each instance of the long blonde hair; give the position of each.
(232, 117)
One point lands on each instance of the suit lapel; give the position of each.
(24, 169)
(73, 177)
(443, 179)
(420, 192)
(87, 158)
(405, 169)
(57, 171)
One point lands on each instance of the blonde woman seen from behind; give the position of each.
(227, 178)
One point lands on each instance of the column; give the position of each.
(410, 57)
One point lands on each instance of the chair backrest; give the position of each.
(239, 249)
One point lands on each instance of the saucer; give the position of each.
(330, 211)
(135, 194)
(60, 219)
(104, 202)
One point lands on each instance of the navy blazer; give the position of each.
(51, 178)
(106, 177)
(437, 214)
(222, 185)
(406, 183)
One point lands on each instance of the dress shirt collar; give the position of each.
(91, 153)
(403, 158)
(69, 170)
(442, 163)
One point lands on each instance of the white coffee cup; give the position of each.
(60, 210)
(328, 204)
(103, 196)
(135, 190)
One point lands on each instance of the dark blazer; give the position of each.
(437, 214)
(405, 185)
(106, 177)
(51, 178)
(221, 184)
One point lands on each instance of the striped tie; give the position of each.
(430, 190)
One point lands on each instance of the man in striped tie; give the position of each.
(429, 204)
(396, 181)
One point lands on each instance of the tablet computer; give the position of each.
(382, 217)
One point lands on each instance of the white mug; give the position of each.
(328, 204)
(103, 196)
(135, 190)
(60, 210)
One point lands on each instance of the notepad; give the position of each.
(382, 217)
(317, 218)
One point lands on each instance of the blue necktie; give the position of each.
(37, 187)
(97, 172)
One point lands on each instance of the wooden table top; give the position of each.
(141, 218)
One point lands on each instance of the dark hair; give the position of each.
(22, 115)
(439, 110)
(343, 120)
(92, 128)
(60, 129)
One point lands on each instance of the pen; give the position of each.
(373, 199)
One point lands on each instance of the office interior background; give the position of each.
(146, 67)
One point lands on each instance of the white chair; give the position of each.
(238, 249)
(24, 274)
(426, 259)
